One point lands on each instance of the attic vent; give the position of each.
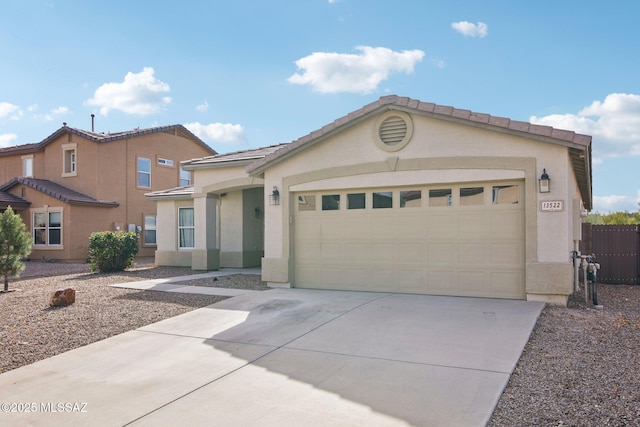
(395, 129)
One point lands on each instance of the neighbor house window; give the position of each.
(144, 172)
(150, 230)
(47, 228)
(165, 162)
(69, 159)
(186, 228)
(27, 166)
(185, 178)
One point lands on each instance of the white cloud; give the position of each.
(203, 107)
(6, 140)
(469, 29)
(328, 72)
(48, 117)
(608, 204)
(139, 94)
(10, 111)
(218, 132)
(613, 123)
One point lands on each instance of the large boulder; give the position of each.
(62, 297)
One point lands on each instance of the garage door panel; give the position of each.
(474, 253)
(476, 250)
(357, 253)
(442, 253)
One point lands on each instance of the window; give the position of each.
(471, 196)
(382, 200)
(331, 202)
(185, 178)
(186, 228)
(27, 166)
(307, 203)
(69, 160)
(47, 228)
(410, 199)
(505, 195)
(440, 197)
(356, 201)
(150, 230)
(144, 172)
(165, 162)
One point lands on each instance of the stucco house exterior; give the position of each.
(398, 196)
(75, 182)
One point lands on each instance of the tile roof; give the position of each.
(231, 159)
(8, 199)
(579, 145)
(105, 137)
(185, 192)
(58, 191)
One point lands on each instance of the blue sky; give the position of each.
(244, 74)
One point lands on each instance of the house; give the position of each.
(75, 182)
(398, 196)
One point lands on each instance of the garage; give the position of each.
(463, 239)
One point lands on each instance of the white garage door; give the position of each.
(465, 240)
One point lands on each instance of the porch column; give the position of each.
(205, 255)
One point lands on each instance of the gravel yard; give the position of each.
(581, 366)
(30, 330)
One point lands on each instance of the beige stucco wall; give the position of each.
(440, 151)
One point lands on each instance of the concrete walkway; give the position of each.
(170, 284)
(287, 357)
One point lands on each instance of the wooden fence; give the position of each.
(617, 249)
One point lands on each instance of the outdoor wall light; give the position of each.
(274, 198)
(544, 183)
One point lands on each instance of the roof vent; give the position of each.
(395, 129)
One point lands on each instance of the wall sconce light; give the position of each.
(274, 198)
(544, 183)
(257, 211)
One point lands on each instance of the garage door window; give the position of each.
(356, 201)
(306, 203)
(383, 200)
(331, 202)
(411, 199)
(441, 197)
(505, 195)
(471, 196)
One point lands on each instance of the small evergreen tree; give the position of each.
(15, 245)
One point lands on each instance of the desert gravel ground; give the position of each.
(581, 366)
(30, 330)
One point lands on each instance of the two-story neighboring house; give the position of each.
(75, 182)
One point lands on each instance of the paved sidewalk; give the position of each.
(171, 284)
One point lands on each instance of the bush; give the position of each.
(112, 251)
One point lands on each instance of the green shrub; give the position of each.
(112, 251)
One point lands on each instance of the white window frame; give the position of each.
(138, 171)
(182, 228)
(69, 159)
(153, 228)
(165, 162)
(27, 166)
(46, 228)
(182, 181)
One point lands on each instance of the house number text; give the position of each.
(551, 205)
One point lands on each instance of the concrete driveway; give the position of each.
(287, 357)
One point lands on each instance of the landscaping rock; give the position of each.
(63, 297)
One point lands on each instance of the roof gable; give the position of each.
(58, 191)
(579, 145)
